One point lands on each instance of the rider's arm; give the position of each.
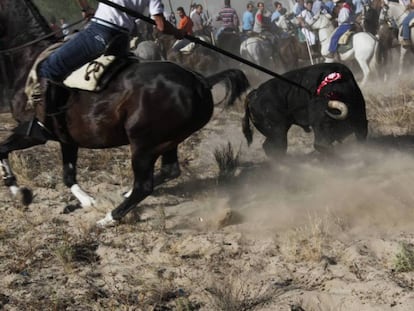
(166, 27)
(343, 16)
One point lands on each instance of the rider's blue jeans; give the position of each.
(84, 47)
(333, 45)
(405, 27)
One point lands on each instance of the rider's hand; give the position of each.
(88, 13)
(179, 34)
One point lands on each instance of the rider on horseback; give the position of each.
(306, 19)
(107, 24)
(229, 19)
(406, 42)
(344, 24)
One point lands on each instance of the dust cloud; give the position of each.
(366, 188)
(363, 189)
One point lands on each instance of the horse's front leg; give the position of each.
(143, 167)
(16, 141)
(70, 158)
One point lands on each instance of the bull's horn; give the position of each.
(336, 104)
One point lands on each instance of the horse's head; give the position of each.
(323, 21)
(396, 11)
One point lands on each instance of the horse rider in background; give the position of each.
(344, 24)
(229, 19)
(406, 33)
(306, 19)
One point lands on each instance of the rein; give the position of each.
(20, 47)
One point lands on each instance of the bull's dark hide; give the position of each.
(276, 105)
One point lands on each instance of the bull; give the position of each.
(330, 103)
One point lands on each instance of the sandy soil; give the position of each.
(298, 234)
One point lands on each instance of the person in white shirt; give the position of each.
(198, 21)
(306, 19)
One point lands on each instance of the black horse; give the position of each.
(151, 106)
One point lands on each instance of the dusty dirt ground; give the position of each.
(299, 234)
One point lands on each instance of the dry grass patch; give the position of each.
(227, 160)
(391, 112)
(237, 294)
(404, 259)
(308, 242)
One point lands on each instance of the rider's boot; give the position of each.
(36, 128)
(330, 56)
(47, 98)
(406, 43)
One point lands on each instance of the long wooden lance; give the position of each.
(205, 44)
(171, 7)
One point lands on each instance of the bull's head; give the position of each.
(327, 117)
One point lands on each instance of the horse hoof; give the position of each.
(106, 222)
(26, 196)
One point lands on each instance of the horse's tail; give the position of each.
(235, 81)
(378, 52)
(247, 129)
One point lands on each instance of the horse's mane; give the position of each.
(21, 23)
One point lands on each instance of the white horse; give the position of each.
(398, 12)
(258, 50)
(364, 46)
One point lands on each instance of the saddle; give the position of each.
(345, 43)
(344, 39)
(95, 75)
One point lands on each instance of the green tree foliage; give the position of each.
(67, 9)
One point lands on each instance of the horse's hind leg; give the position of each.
(170, 167)
(69, 159)
(143, 167)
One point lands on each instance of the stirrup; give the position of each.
(34, 95)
